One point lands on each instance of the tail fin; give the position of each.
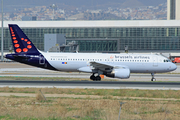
(20, 41)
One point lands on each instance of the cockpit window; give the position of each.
(167, 61)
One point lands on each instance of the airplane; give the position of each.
(111, 65)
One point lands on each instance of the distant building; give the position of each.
(34, 18)
(26, 18)
(102, 36)
(70, 47)
(173, 9)
(29, 18)
(52, 41)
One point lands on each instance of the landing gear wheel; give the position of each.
(95, 78)
(153, 79)
(92, 77)
(98, 78)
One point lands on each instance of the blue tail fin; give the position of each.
(20, 41)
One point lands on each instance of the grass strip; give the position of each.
(100, 92)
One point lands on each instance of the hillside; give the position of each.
(10, 5)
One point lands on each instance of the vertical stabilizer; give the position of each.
(20, 41)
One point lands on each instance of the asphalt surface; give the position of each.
(21, 70)
(93, 84)
(136, 81)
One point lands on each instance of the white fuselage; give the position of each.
(137, 63)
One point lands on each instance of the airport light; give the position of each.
(2, 33)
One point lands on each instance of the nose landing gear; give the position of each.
(153, 79)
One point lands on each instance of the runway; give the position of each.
(21, 70)
(136, 81)
(37, 72)
(92, 84)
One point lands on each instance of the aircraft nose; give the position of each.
(173, 66)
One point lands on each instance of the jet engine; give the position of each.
(119, 72)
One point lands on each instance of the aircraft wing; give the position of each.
(104, 67)
(101, 66)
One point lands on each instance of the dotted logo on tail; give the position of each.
(17, 46)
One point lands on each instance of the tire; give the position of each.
(98, 78)
(153, 79)
(92, 77)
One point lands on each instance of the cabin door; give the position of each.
(155, 61)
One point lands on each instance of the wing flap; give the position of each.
(101, 66)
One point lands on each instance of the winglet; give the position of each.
(20, 41)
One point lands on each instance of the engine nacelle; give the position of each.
(119, 72)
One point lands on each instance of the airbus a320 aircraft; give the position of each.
(111, 65)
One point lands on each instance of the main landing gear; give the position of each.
(153, 79)
(95, 78)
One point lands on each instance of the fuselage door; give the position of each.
(155, 61)
(41, 59)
